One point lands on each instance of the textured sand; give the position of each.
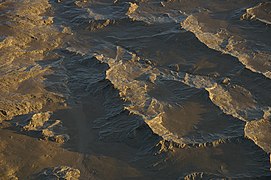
(135, 89)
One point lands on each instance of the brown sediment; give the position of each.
(43, 127)
(27, 157)
(99, 25)
(261, 12)
(60, 172)
(132, 8)
(220, 39)
(120, 91)
(136, 83)
(259, 132)
(31, 37)
(128, 75)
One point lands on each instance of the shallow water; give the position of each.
(135, 89)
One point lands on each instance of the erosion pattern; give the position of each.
(103, 89)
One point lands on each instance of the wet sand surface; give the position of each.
(103, 89)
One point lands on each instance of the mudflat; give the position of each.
(145, 89)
